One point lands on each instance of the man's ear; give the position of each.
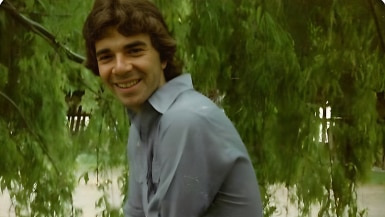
(164, 64)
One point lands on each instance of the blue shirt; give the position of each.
(187, 160)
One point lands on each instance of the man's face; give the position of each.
(130, 67)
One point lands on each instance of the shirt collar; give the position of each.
(163, 98)
(160, 101)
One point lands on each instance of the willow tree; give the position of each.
(32, 136)
(38, 151)
(270, 64)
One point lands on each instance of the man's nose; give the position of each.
(122, 65)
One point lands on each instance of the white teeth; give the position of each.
(127, 85)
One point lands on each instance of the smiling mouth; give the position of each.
(127, 85)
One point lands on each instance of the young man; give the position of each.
(186, 158)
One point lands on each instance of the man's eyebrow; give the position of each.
(135, 44)
(127, 46)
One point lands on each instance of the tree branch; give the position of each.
(41, 31)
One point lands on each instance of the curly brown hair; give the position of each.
(130, 17)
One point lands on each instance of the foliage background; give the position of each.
(270, 64)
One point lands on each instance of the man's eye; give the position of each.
(104, 57)
(135, 51)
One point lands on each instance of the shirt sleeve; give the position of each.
(192, 159)
(133, 206)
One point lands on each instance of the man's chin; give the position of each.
(132, 105)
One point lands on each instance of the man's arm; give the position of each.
(191, 163)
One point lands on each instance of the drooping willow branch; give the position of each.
(376, 21)
(41, 31)
(41, 143)
(45, 34)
